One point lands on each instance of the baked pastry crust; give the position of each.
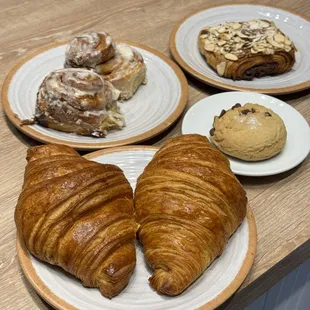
(245, 50)
(78, 101)
(251, 132)
(188, 203)
(119, 64)
(78, 215)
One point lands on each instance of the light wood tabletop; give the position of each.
(281, 203)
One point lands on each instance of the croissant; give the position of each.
(119, 64)
(79, 215)
(78, 101)
(245, 50)
(188, 203)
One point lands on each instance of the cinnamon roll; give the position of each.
(126, 70)
(78, 101)
(89, 49)
(120, 64)
(247, 50)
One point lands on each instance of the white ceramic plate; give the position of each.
(153, 108)
(184, 47)
(199, 119)
(218, 282)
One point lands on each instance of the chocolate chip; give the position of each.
(222, 113)
(267, 114)
(252, 110)
(245, 112)
(237, 105)
(212, 132)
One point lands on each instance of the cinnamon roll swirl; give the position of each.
(120, 64)
(126, 70)
(78, 101)
(89, 49)
(247, 50)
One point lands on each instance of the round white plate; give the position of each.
(218, 282)
(153, 108)
(184, 47)
(199, 119)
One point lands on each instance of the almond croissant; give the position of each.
(79, 215)
(245, 50)
(188, 203)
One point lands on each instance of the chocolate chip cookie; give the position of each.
(251, 132)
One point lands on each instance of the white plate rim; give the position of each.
(222, 85)
(57, 302)
(242, 172)
(180, 106)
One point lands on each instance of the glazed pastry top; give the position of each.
(90, 49)
(79, 88)
(125, 58)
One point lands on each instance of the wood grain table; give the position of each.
(281, 203)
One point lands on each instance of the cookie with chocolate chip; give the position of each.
(251, 132)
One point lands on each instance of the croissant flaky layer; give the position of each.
(252, 67)
(188, 203)
(79, 215)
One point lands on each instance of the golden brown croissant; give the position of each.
(119, 63)
(78, 101)
(79, 215)
(244, 50)
(188, 203)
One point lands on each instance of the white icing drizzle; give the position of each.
(83, 50)
(79, 88)
(125, 51)
(125, 59)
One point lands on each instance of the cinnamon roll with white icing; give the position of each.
(120, 64)
(126, 70)
(78, 101)
(89, 50)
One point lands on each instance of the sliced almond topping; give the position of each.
(221, 29)
(236, 26)
(225, 49)
(260, 48)
(253, 25)
(238, 46)
(287, 41)
(209, 47)
(230, 56)
(224, 36)
(269, 51)
(279, 38)
(235, 40)
(221, 68)
(274, 43)
(240, 34)
(264, 24)
(221, 42)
